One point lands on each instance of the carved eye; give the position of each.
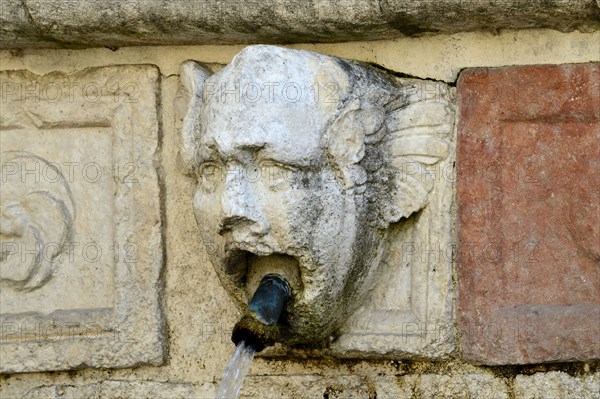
(276, 175)
(210, 176)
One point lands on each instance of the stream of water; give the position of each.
(235, 372)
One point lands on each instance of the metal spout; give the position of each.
(258, 326)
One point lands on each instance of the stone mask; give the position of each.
(303, 161)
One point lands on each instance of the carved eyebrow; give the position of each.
(273, 156)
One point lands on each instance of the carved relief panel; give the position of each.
(80, 219)
(337, 176)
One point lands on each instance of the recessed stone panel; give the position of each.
(528, 202)
(80, 227)
(409, 311)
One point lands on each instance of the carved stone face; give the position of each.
(35, 221)
(268, 200)
(286, 146)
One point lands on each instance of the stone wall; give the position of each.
(109, 121)
(60, 23)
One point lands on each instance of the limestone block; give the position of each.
(270, 386)
(529, 214)
(338, 177)
(391, 386)
(460, 386)
(409, 310)
(112, 389)
(557, 385)
(551, 385)
(80, 220)
(307, 386)
(59, 23)
(450, 386)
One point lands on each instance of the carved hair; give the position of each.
(382, 144)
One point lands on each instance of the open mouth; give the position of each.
(236, 265)
(247, 269)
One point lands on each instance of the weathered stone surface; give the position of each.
(307, 386)
(123, 389)
(58, 23)
(198, 312)
(80, 220)
(272, 386)
(480, 386)
(557, 385)
(306, 165)
(459, 386)
(528, 203)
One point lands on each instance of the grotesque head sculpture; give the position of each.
(303, 162)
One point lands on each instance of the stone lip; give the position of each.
(60, 23)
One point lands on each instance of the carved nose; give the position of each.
(241, 209)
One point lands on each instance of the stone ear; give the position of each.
(192, 77)
(418, 136)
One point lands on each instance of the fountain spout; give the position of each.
(258, 326)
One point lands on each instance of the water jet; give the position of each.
(257, 329)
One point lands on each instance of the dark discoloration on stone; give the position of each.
(529, 214)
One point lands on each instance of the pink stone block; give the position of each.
(529, 214)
